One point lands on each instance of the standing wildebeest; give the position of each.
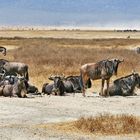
(14, 68)
(17, 88)
(70, 84)
(3, 50)
(124, 86)
(100, 70)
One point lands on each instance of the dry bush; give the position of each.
(105, 124)
(52, 56)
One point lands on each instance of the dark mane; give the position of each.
(100, 62)
(4, 60)
(123, 78)
(71, 76)
(2, 47)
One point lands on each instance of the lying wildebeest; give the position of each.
(16, 89)
(100, 70)
(14, 68)
(74, 84)
(9, 79)
(3, 50)
(47, 88)
(124, 86)
(55, 88)
(70, 84)
(31, 89)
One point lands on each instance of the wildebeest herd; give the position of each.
(14, 80)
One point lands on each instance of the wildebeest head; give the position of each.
(19, 87)
(3, 50)
(136, 78)
(116, 63)
(2, 73)
(58, 86)
(21, 81)
(3, 62)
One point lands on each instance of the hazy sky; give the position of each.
(96, 13)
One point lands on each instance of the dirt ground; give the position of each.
(21, 119)
(76, 34)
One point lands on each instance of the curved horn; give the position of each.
(122, 60)
(63, 75)
(133, 71)
(51, 77)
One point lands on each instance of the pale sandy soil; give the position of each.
(22, 118)
(68, 34)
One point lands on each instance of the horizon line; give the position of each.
(42, 27)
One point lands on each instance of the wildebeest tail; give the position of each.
(88, 84)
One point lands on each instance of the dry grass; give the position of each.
(103, 124)
(109, 124)
(56, 56)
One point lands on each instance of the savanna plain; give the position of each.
(70, 117)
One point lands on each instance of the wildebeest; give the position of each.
(47, 88)
(3, 50)
(137, 50)
(9, 79)
(14, 68)
(74, 84)
(101, 70)
(124, 86)
(2, 74)
(61, 85)
(58, 86)
(31, 89)
(16, 89)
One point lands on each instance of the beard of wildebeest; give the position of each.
(58, 87)
(115, 65)
(116, 68)
(137, 79)
(19, 88)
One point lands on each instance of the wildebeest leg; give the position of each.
(13, 95)
(74, 93)
(103, 82)
(85, 79)
(1, 90)
(107, 81)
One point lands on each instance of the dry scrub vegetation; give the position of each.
(46, 56)
(105, 124)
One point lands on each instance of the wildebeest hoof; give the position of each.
(84, 95)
